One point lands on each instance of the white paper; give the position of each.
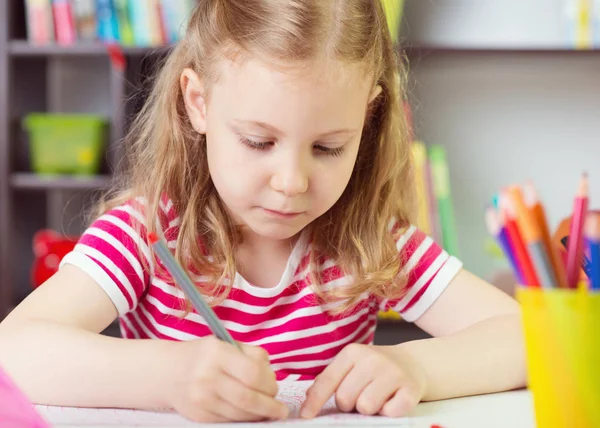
(291, 393)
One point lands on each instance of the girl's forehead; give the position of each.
(301, 74)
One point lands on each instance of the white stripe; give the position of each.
(163, 329)
(118, 245)
(131, 232)
(308, 332)
(292, 378)
(403, 239)
(258, 310)
(130, 327)
(168, 206)
(420, 283)
(321, 348)
(417, 255)
(175, 222)
(143, 326)
(235, 326)
(128, 209)
(169, 289)
(111, 266)
(95, 271)
(301, 364)
(435, 289)
(391, 224)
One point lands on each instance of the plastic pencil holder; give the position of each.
(562, 340)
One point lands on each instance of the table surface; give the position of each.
(512, 409)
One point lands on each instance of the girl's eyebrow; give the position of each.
(276, 131)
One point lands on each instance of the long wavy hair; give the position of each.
(164, 155)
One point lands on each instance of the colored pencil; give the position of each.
(537, 210)
(575, 248)
(586, 264)
(508, 216)
(190, 290)
(497, 229)
(592, 235)
(532, 235)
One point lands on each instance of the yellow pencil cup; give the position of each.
(562, 341)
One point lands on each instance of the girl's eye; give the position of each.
(255, 145)
(263, 145)
(337, 151)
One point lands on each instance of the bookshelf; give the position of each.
(462, 79)
(55, 78)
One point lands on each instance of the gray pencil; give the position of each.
(190, 289)
(542, 264)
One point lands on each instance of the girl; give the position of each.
(273, 157)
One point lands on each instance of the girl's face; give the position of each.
(281, 144)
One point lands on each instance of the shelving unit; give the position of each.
(54, 78)
(461, 97)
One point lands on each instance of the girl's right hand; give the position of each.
(218, 383)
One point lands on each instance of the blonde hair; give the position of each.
(164, 154)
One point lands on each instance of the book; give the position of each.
(64, 22)
(441, 186)
(84, 12)
(40, 23)
(108, 30)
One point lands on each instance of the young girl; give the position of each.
(273, 158)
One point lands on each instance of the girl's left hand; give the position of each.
(373, 380)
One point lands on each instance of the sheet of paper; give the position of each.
(291, 393)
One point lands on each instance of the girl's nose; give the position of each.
(290, 178)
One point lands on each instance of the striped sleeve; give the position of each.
(115, 253)
(429, 270)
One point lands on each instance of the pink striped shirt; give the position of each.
(299, 334)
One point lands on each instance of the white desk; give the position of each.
(504, 410)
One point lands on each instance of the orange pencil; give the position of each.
(508, 215)
(537, 210)
(575, 250)
(532, 236)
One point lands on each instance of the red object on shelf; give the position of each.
(49, 248)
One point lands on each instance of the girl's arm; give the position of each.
(51, 348)
(478, 344)
(50, 345)
(477, 348)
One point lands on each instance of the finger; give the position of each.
(250, 400)
(256, 352)
(229, 412)
(351, 387)
(254, 374)
(374, 396)
(403, 401)
(326, 384)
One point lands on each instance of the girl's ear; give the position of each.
(193, 90)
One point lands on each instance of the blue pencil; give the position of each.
(499, 232)
(592, 237)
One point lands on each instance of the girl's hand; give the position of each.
(370, 379)
(215, 382)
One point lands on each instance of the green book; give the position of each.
(125, 30)
(441, 186)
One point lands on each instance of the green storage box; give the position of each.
(65, 143)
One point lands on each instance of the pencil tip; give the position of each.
(152, 238)
(583, 185)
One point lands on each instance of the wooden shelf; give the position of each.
(25, 180)
(23, 48)
(417, 50)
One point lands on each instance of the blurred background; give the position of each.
(499, 92)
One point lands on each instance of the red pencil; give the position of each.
(575, 250)
(508, 214)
